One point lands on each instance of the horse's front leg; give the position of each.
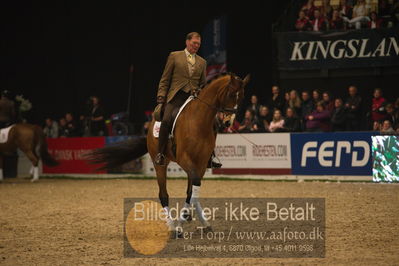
(185, 212)
(164, 199)
(194, 199)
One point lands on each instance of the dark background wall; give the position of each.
(59, 54)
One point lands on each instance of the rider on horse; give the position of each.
(7, 109)
(184, 74)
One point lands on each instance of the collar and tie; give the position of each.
(191, 59)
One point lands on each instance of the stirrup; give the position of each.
(160, 159)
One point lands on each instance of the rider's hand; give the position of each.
(195, 92)
(161, 99)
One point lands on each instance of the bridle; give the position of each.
(224, 110)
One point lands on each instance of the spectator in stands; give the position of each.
(376, 126)
(277, 124)
(286, 101)
(336, 22)
(62, 128)
(309, 8)
(302, 23)
(307, 107)
(316, 96)
(353, 109)
(338, 117)
(384, 12)
(395, 13)
(277, 100)
(392, 115)
(318, 23)
(50, 129)
(73, 130)
(264, 119)
(319, 119)
(375, 22)
(328, 101)
(326, 10)
(360, 15)
(221, 126)
(292, 122)
(97, 118)
(386, 128)
(250, 123)
(254, 106)
(345, 10)
(84, 126)
(378, 112)
(295, 102)
(233, 127)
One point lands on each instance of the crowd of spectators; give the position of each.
(91, 123)
(292, 111)
(344, 14)
(315, 111)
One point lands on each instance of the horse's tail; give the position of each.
(43, 149)
(120, 153)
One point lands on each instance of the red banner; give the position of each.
(70, 152)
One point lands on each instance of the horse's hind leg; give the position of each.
(31, 154)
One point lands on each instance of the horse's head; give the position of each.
(232, 94)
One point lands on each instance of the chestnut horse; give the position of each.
(194, 140)
(31, 140)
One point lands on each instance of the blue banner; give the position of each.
(213, 46)
(331, 153)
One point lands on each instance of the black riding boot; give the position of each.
(211, 163)
(162, 143)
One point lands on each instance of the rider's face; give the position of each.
(193, 45)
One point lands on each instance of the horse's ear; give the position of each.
(246, 79)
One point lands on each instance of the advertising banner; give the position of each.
(338, 49)
(213, 47)
(253, 153)
(70, 152)
(331, 153)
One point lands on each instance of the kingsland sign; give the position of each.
(314, 50)
(357, 48)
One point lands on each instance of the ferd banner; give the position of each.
(338, 49)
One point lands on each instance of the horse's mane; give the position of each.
(220, 75)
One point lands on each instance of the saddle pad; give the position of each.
(180, 110)
(155, 130)
(4, 134)
(157, 124)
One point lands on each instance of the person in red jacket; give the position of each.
(378, 112)
(302, 23)
(318, 23)
(375, 21)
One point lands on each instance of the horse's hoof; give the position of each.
(188, 217)
(34, 180)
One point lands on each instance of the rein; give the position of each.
(219, 109)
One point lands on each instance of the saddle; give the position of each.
(157, 124)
